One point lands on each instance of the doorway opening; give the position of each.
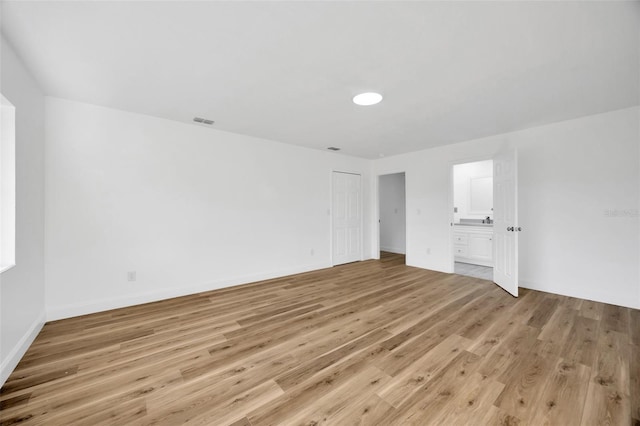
(473, 219)
(393, 217)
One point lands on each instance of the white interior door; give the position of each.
(347, 218)
(505, 221)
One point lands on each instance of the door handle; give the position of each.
(518, 229)
(510, 228)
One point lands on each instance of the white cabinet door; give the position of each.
(481, 247)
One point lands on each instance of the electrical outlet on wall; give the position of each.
(429, 251)
(313, 252)
(131, 276)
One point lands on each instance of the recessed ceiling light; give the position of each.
(366, 99)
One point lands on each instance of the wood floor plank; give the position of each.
(493, 306)
(442, 390)
(404, 356)
(299, 397)
(500, 362)
(581, 342)
(634, 315)
(543, 313)
(235, 408)
(16, 401)
(307, 369)
(365, 412)
(523, 394)
(634, 386)
(608, 397)
(562, 401)
(591, 309)
(335, 405)
(205, 393)
(429, 321)
(606, 406)
(616, 318)
(370, 343)
(495, 335)
(472, 403)
(498, 417)
(422, 370)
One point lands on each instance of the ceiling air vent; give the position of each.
(333, 148)
(203, 120)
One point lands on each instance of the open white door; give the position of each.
(505, 221)
(347, 218)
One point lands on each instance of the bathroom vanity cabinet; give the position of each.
(473, 244)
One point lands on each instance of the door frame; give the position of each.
(375, 221)
(377, 218)
(473, 159)
(330, 211)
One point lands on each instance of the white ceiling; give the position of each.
(449, 71)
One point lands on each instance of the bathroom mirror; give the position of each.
(481, 195)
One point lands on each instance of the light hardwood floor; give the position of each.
(373, 342)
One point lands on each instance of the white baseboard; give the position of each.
(532, 285)
(396, 250)
(93, 306)
(9, 364)
(472, 261)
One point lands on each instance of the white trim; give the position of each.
(376, 220)
(90, 307)
(6, 267)
(553, 290)
(9, 364)
(8, 186)
(375, 204)
(452, 163)
(397, 250)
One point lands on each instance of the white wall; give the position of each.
(462, 177)
(579, 194)
(188, 208)
(22, 303)
(392, 213)
(570, 175)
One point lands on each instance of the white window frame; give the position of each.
(7, 184)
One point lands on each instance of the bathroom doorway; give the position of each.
(473, 219)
